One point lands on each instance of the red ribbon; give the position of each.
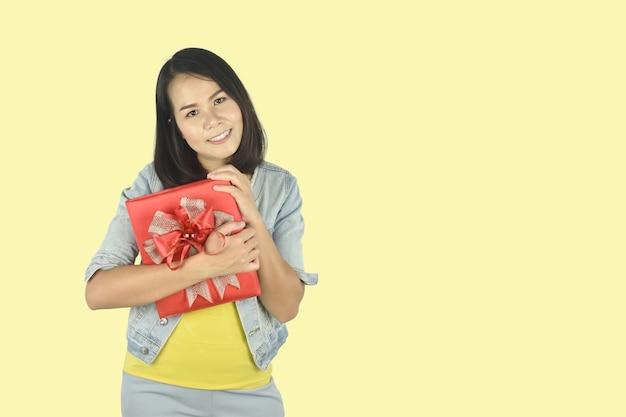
(174, 236)
(181, 234)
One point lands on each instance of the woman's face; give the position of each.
(209, 120)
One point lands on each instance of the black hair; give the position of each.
(175, 162)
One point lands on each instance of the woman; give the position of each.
(215, 361)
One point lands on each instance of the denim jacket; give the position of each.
(277, 196)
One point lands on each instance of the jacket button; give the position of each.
(163, 322)
(144, 350)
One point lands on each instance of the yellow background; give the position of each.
(462, 169)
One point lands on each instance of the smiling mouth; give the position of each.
(220, 137)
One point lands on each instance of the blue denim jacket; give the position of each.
(278, 199)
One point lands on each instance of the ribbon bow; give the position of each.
(182, 234)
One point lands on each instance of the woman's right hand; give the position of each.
(231, 249)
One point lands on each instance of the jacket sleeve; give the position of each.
(119, 246)
(288, 231)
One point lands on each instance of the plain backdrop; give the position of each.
(462, 170)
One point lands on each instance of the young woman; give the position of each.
(215, 361)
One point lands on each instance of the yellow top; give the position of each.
(207, 350)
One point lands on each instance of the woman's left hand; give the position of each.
(240, 189)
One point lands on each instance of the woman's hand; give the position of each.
(232, 249)
(133, 285)
(240, 189)
(281, 288)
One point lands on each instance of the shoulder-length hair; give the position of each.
(174, 161)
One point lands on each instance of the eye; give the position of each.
(192, 113)
(220, 100)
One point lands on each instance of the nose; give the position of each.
(211, 119)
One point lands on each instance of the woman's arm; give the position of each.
(132, 285)
(281, 288)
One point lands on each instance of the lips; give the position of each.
(220, 137)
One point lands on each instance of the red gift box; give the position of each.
(173, 224)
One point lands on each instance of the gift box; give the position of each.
(173, 224)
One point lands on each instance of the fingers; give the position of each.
(244, 246)
(231, 174)
(254, 265)
(226, 173)
(244, 241)
(240, 255)
(217, 240)
(224, 170)
(230, 228)
(233, 248)
(213, 248)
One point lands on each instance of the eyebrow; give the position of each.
(188, 106)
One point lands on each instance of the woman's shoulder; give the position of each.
(148, 173)
(274, 181)
(146, 181)
(274, 170)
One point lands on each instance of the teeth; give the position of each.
(220, 137)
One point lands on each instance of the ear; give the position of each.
(169, 121)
